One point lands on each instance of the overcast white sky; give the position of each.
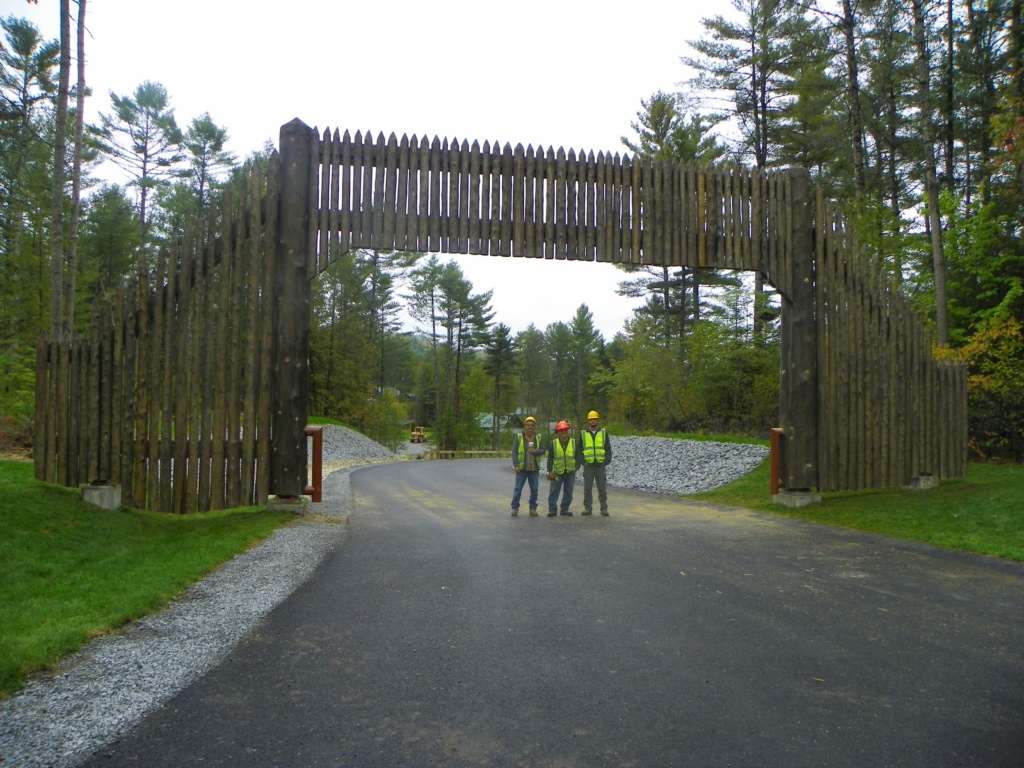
(560, 73)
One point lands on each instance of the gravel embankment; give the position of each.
(114, 682)
(343, 446)
(662, 465)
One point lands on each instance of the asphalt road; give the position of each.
(445, 632)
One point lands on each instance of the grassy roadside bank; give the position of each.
(981, 513)
(70, 572)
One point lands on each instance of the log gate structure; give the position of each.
(191, 390)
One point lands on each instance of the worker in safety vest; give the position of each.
(563, 460)
(526, 453)
(596, 453)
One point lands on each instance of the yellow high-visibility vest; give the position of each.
(565, 458)
(521, 449)
(593, 447)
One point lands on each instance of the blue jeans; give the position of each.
(522, 477)
(563, 483)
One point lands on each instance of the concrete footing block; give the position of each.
(922, 483)
(102, 496)
(795, 499)
(297, 505)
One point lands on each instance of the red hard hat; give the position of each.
(562, 426)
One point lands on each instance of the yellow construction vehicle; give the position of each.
(418, 435)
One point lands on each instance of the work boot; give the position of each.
(566, 512)
(586, 512)
(552, 513)
(604, 513)
(533, 512)
(515, 511)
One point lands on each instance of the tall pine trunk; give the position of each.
(59, 176)
(71, 268)
(930, 181)
(853, 94)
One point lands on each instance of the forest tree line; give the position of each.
(909, 115)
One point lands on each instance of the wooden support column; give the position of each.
(798, 393)
(290, 401)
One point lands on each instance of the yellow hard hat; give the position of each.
(593, 415)
(529, 419)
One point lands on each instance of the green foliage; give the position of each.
(534, 369)
(643, 384)
(341, 349)
(108, 244)
(732, 385)
(463, 318)
(665, 131)
(17, 393)
(500, 362)
(475, 400)
(586, 344)
(995, 389)
(753, 56)
(69, 571)
(207, 159)
(143, 138)
(28, 72)
(716, 380)
(387, 416)
(986, 266)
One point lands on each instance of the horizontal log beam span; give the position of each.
(360, 235)
(457, 197)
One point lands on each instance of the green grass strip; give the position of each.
(70, 571)
(981, 513)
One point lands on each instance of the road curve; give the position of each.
(445, 632)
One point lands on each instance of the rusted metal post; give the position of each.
(316, 490)
(290, 401)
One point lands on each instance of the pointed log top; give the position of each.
(295, 124)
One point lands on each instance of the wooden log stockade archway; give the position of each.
(863, 402)
(170, 395)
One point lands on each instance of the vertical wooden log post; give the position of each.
(798, 393)
(290, 401)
